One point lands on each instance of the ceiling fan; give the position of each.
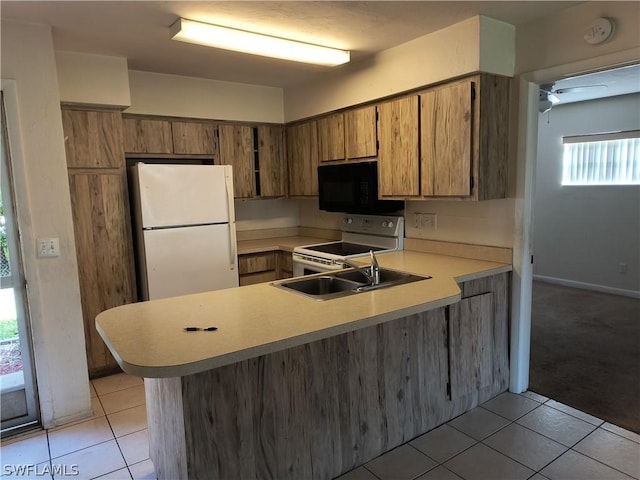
(548, 95)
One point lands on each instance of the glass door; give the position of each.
(17, 389)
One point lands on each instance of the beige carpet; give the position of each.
(585, 352)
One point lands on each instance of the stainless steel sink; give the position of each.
(324, 287)
(385, 275)
(345, 282)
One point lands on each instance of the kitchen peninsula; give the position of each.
(289, 387)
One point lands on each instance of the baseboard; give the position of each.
(588, 286)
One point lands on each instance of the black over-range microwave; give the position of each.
(352, 188)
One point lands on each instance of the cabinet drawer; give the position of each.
(260, 277)
(256, 262)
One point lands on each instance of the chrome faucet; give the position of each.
(372, 272)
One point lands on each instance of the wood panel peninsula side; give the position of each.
(288, 387)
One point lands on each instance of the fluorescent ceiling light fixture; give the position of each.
(255, 43)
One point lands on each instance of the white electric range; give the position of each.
(360, 234)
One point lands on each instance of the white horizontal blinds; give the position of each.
(602, 159)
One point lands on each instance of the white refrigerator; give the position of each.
(185, 229)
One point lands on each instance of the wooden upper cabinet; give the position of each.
(464, 138)
(398, 157)
(271, 160)
(194, 138)
(93, 139)
(302, 159)
(142, 135)
(445, 140)
(331, 138)
(236, 149)
(360, 136)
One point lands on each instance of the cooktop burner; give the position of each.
(342, 249)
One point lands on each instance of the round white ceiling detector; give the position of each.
(599, 31)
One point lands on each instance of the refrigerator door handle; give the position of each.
(228, 177)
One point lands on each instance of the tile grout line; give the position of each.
(114, 437)
(600, 462)
(127, 466)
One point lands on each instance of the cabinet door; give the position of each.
(104, 250)
(360, 136)
(93, 139)
(236, 149)
(272, 161)
(194, 138)
(302, 159)
(446, 135)
(471, 340)
(257, 268)
(398, 161)
(143, 135)
(331, 138)
(284, 265)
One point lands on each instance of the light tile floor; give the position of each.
(112, 444)
(510, 437)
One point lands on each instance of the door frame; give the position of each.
(523, 248)
(17, 258)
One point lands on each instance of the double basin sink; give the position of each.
(345, 282)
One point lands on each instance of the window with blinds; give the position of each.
(602, 159)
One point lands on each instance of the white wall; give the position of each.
(438, 56)
(267, 213)
(583, 233)
(557, 39)
(480, 223)
(173, 95)
(44, 210)
(93, 79)
(312, 216)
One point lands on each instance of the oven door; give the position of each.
(304, 265)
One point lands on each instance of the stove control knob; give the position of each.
(390, 224)
(348, 221)
(384, 224)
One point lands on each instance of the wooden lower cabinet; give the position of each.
(264, 267)
(257, 267)
(479, 338)
(99, 203)
(318, 410)
(284, 265)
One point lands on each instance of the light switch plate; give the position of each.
(48, 247)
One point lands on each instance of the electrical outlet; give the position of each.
(48, 247)
(623, 267)
(425, 221)
(429, 221)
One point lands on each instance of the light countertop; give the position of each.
(147, 338)
(278, 243)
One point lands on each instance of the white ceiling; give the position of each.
(139, 30)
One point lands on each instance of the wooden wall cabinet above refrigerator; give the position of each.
(143, 135)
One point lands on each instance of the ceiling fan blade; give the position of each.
(578, 89)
